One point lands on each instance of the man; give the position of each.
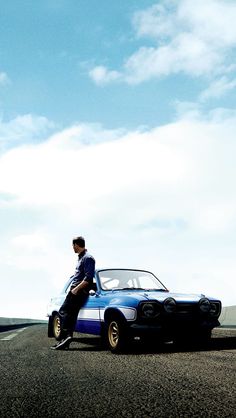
(81, 284)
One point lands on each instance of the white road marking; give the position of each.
(12, 335)
(9, 337)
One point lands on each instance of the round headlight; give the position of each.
(149, 310)
(215, 309)
(169, 305)
(204, 305)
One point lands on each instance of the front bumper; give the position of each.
(172, 328)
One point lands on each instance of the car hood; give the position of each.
(138, 296)
(179, 297)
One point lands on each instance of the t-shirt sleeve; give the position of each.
(89, 269)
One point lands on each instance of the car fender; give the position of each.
(125, 312)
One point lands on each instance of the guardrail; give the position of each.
(228, 317)
(19, 321)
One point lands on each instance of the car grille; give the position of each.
(185, 312)
(186, 308)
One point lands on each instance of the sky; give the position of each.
(117, 122)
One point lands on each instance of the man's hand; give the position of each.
(79, 287)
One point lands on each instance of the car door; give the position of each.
(89, 315)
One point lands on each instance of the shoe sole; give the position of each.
(62, 346)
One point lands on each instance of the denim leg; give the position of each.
(69, 312)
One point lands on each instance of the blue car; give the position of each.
(127, 304)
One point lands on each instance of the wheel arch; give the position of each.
(113, 312)
(115, 326)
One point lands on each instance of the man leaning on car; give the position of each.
(81, 284)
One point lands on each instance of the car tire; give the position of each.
(56, 327)
(50, 333)
(116, 335)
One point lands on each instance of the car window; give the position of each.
(129, 279)
(109, 283)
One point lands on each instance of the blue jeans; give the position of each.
(69, 312)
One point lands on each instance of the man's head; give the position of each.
(78, 244)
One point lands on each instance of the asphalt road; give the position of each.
(88, 381)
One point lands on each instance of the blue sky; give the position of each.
(118, 123)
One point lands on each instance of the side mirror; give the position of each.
(92, 292)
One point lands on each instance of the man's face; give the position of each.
(76, 248)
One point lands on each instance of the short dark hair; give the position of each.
(80, 241)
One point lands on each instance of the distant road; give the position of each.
(88, 381)
(18, 321)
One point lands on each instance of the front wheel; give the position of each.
(116, 335)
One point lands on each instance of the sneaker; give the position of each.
(53, 347)
(61, 345)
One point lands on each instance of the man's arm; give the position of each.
(89, 269)
(80, 287)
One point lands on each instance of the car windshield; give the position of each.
(118, 279)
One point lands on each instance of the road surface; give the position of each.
(89, 381)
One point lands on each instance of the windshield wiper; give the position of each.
(130, 288)
(139, 288)
(157, 290)
(123, 288)
(150, 290)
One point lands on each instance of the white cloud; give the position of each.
(101, 75)
(218, 88)
(157, 22)
(161, 199)
(212, 20)
(58, 166)
(186, 53)
(195, 40)
(31, 242)
(29, 252)
(23, 129)
(217, 217)
(192, 40)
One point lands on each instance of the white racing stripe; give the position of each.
(12, 335)
(97, 314)
(89, 314)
